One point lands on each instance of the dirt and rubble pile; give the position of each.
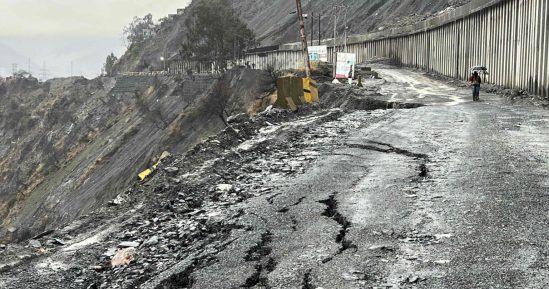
(357, 98)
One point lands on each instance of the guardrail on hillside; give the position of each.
(510, 37)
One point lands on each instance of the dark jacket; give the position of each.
(476, 80)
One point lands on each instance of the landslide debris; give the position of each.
(357, 98)
(180, 219)
(70, 146)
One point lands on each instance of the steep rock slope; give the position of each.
(71, 145)
(273, 23)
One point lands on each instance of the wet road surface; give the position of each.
(450, 195)
(453, 194)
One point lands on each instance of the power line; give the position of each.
(44, 72)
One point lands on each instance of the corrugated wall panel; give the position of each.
(511, 38)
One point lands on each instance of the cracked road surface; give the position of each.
(453, 194)
(450, 195)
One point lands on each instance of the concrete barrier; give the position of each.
(509, 37)
(294, 91)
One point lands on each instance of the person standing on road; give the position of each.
(475, 82)
(350, 75)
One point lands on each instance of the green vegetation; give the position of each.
(109, 64)
(138, 30)
(215, 34)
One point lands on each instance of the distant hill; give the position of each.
(86, 53)
(275, 22)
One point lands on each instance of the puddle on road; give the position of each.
(410, 87)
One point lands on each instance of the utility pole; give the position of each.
(303, 39)
(319, 18)
(14, 68)
(312, 28)
(44, 72)
(72, 66)
(346, 26)
(234, 48)
(334, 57)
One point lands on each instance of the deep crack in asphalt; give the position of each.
(333, 213)
(423, 159)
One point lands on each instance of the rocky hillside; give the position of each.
(71, 145)
(273, 23)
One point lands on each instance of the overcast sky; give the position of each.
(77, 17)
(69, 35)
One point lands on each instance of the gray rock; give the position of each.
(239, 118)
(35, 243)
(412, 279)
(225, 188)
(171, 170)
(24, 257)
(12, 229)
(117, 201)
(152, 241)
(128, 244)
(58, 242)
(381, 248)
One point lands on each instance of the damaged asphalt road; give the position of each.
(449, 195)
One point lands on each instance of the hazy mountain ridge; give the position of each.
(87, 55)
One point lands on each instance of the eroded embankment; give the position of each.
(186, 217)
(71, 145)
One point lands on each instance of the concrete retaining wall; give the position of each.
(510, 37)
